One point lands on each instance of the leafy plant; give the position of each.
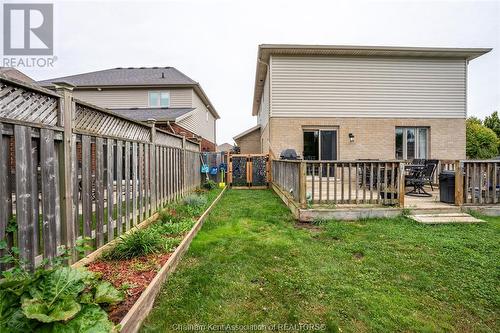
(173, 228)
(167, 217)
(138, 243)
(59, 299)
(210, 184)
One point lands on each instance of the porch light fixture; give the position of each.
(351, 137)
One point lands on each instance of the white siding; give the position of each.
(133, 98)
(198, 122)
(263, 115)
(367, 87)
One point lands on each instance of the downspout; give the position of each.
(269, 111)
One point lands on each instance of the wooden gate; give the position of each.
(248, 171)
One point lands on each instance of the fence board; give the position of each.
(134, 183)
(141, 181)
(86, 186)
(49, 190)
(24, 198)
(127, 186)
(99, 193)
(5, 190)
(119, 194)
(110, 192)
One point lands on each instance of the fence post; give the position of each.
(402, 189)
(302, 185)
(66, 170)
(459, 183)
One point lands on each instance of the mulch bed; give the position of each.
(137, 273)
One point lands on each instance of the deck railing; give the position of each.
(69, 170)
(341, 182)
(287, 175)
(481, 182)
(358, 182)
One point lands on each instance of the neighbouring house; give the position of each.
(225, 147)
(349, 102)
(177, 103)
(15, 74)
(249, 141)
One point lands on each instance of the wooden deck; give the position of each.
(350, 195)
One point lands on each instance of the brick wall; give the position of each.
(205, 144)
(250, 143)
(374, 138)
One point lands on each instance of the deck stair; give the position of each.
(445, 218)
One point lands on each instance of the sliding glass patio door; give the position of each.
(320, 145)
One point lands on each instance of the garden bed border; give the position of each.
(141, 308)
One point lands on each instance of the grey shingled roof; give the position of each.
(158, 114)
(131, 76)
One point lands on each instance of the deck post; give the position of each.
(302, 185)
(401, 182)
(459, 183)
(66, 169)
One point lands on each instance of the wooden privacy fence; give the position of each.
(69, 170)
(379, 182)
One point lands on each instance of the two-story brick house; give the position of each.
(345, 102)
(176, 102)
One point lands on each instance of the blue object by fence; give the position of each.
(204, 168)
(214, 170)
(223, 166)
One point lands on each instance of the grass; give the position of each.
(163, 235)
(251, 264)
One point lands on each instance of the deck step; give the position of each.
(445, 218)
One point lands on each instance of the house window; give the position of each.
(320, 144)
(412, 142)
(159, 99)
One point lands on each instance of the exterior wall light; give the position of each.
(351, 137)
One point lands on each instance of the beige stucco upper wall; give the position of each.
(201, 122)
(342, 86)
(133, 97)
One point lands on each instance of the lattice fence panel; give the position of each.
(104, 124)
(18, 103)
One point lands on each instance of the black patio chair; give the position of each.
(419, 177)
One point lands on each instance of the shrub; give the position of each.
(195, 200)
(138, 243)
(482, 142)
(210, 184)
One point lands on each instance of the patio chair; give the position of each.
(419, 177)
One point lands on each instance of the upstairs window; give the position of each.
(159, 99)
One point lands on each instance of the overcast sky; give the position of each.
(215, 42)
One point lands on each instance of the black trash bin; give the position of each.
(447, 186)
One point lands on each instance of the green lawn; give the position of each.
(251, 264)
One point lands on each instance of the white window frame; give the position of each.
(417, 139)
(159, 92)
